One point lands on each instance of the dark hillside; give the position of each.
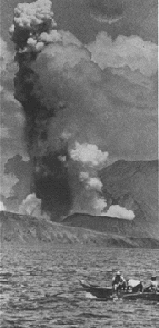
(15, 228)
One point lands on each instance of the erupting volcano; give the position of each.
(86, 107)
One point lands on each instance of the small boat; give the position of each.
(107, 293)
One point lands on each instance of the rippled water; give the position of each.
(40, 287)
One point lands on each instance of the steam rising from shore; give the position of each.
(119, 212)
(89, 159)
(31, 206)
(82, 102)
(2, 207)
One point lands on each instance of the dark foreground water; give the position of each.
(40, 287)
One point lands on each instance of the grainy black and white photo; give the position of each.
(79, 222)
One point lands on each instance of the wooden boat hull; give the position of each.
(106, 293)
(147, 296)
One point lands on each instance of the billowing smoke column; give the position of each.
(78, 101)
(51, 146)
(33, 28)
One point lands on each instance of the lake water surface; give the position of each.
(40, 286)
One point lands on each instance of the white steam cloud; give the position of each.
(132, 52)
(119, 212)
(35, 19)
(2, 207)
(88, 154)
(31, 205)
(89, 160)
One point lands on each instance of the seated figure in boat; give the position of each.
(154, 284)
(134, 285)
(118, 282)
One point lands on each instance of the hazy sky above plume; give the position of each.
(126, 73)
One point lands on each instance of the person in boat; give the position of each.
(134, 285)
(154, 284)
(118, 282)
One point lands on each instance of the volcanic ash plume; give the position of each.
(87, 159)
(77, 108)
(50, 84)
(32, 30)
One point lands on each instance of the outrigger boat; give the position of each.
(107, 293)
